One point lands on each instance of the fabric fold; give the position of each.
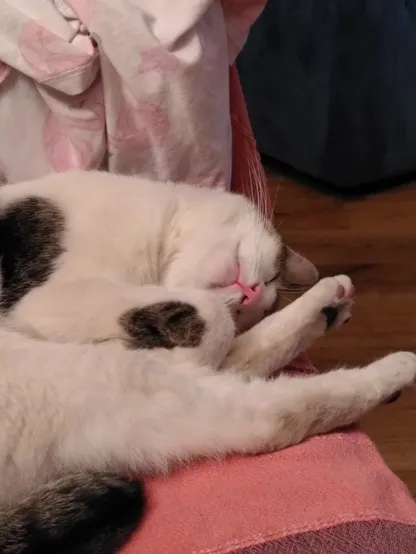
(131, 86)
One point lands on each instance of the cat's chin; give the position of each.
(246, 319)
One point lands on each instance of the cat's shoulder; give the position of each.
(78, 181)
(79, 189)
(86, 188)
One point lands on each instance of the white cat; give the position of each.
(176, 286)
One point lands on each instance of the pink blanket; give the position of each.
(222, 507)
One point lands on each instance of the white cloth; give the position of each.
(134, 86)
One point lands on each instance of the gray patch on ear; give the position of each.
(163, 325)
(31, 232)
(298, 271)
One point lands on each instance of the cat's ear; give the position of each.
(299, 271)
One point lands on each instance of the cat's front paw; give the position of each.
(336, 296)
(397, 371)
(403, 365)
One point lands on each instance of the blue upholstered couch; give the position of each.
(331, 87)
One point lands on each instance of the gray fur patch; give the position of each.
(331, 314)
(30, 242)
(78, 514)
(163, 325)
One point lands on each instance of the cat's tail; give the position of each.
(78, 514)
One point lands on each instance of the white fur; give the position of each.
(68, 407)
(139, 232)
(129, 243)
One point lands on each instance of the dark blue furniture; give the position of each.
(331, 87)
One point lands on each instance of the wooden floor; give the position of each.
(374, 241)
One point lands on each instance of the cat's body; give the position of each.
(159, 275)
(105, 230)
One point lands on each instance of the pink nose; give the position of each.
(251, 294)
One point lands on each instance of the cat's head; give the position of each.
(223, 243)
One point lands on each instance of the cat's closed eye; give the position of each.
(274, 278)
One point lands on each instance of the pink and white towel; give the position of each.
(134, 86)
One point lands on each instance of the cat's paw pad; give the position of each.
(163, 325)
(337, 296)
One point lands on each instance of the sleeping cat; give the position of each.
(139, 330)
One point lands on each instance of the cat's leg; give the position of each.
(184, 416)
(193, 323)
(276, 340)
